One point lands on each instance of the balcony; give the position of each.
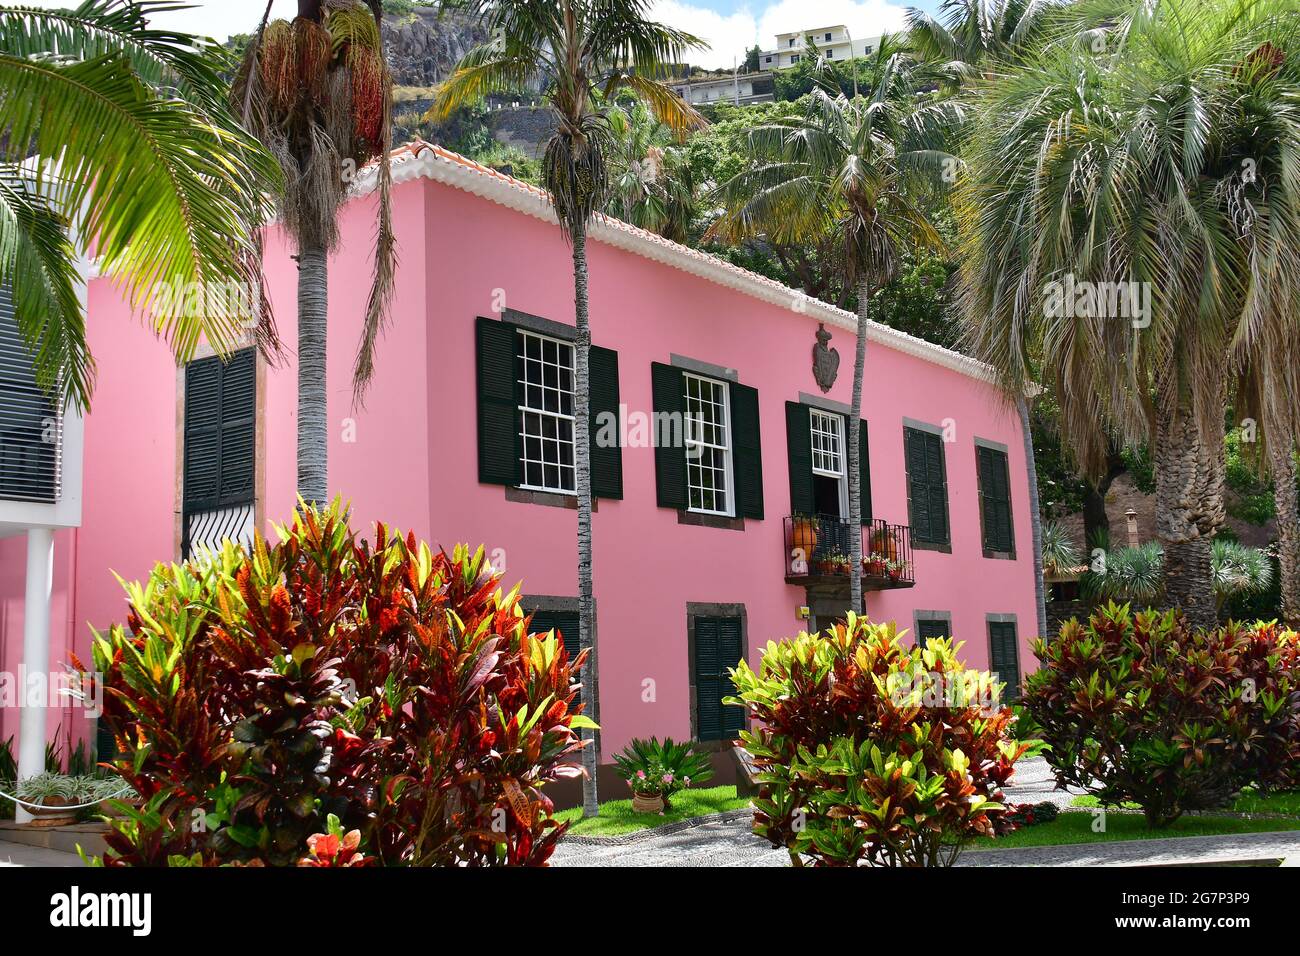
(817, 554)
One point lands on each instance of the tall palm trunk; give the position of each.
(1035, 517)
(855, 452)
(1189, 510)
(1281, 461)
(582, 473)
(313, 431)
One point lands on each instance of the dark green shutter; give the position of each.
(995, 499)
(864, 471)
(105, 744)
(565, 622)
(220, 430)
(1004, 657)
(606, 463)
(798, 442)
(931, 628)
(668, 391)
(718, 646)
(747, 445)
(927, 487)
(498, 403)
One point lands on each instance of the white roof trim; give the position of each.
(465, 174)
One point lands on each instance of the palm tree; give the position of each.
(317, 92)
(652, 184)
(1150, 168)
(583, 52)
(117, 139)
(966, 36)
(844, 169)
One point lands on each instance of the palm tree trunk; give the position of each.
(1189, 510)
(1281, 462)
(1035, 517)
(313, 432)
(582, 474)
(855, 452)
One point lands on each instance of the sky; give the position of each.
(729, 26)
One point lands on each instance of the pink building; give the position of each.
(699, 552)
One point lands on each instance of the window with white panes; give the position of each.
(708, 446)
(546, 428)
(827, 444)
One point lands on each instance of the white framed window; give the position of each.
(709, 480)
(546, 430)
(827, 443)
(829, 452)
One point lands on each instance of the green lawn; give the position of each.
(1074, 827)
(617, 818)
(1283, 801)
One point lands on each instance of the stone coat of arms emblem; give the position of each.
(826, 360)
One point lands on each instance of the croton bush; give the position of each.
(1142, 708)
(871, 752)
(329, 689)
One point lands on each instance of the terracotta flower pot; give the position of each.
(804, 537)
(53, 812)
(643, 803)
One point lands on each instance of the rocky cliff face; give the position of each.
(423, 46)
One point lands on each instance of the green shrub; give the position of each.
(1142, 708)
(873, 753)
(395, 689)
(652, 768)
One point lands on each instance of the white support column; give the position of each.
(36, 654)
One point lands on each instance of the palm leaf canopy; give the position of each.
(847, 168)
(1159, 154)
(117, 143)
(580, 53)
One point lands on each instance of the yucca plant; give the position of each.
(582, 52)
(316, 91)
(1059, 553)
(1127, 574)
(1239, 570)
(117, 142)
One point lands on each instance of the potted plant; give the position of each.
(884, 544)
(894, 570)
(112, 793)
(49, 797)
(875, 564)
(803, 535)
(655, 771)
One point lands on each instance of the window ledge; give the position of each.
(943, 547)
(551, 499)
(710, 521)
(1000, 555)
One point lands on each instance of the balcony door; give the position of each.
(220, 451)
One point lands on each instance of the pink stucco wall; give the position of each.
(413, 461)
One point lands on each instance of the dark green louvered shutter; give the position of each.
(498, 403)
(927, 487)
(718, 646)
(798, 443)
(565, 622)
(995, 499)
(668, 391)
(1004, 657)
(220, 429)
(606, 462)
(864, 471)
(931, 628)
(748, 452)
(105, 744)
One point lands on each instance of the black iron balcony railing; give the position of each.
(31, 428)
(817, 552)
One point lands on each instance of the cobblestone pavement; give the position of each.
(731, 844)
